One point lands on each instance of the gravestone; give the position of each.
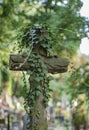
(5, 127)
(25, 121)
(15, 126)
(54, 64)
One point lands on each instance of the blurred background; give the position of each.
(68, 20)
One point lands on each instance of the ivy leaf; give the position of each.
(46, 99)
(47, 96)
(42, 74)
(50, 90)
(37, 79)
(38, 93)
(33, 93)
(38, 88)
(39, 70)
(32, 65)
(43, 65)
(32, 97)
(38, 114)
(29, 72)
(45, 71)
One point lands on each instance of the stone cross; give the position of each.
(54, 64)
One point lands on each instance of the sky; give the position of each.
(85, 8)
(84, 46)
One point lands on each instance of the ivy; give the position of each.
(40, 85)
(36, 36)
(32, 36)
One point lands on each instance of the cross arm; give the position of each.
(54, 64)
(16, 62)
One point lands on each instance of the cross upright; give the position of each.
(53, 64)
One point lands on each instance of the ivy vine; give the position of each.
(37, 36)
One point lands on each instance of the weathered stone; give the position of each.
(54, 64)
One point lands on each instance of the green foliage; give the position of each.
(40, 86)
(79, 81)
(69, 25)
(4, 72)
(35, 36)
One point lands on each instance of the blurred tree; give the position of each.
(79, 82)
(78, 88)
(61, 16)
(65, 22)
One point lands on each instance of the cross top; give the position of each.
(38, 37)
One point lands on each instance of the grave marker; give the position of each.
(53, 64)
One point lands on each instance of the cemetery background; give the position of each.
(69, 29)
